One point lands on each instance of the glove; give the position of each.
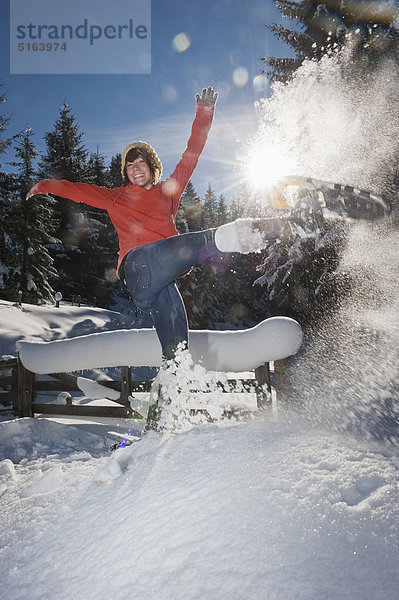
(209, 96)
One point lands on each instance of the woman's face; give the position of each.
(139, 172)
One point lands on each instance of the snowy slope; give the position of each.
(275, 508)
(262, 510)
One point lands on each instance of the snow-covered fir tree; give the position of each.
(80, 255)
(222, 210)
(114, 172)
(98, 173)
(369, 27)
(300, 269)
(4, 142)
(65, 158)
(7, 186)
(6, 183)
(209, 209)
(99, 244)
(253, 202)
(32, 228)
(237, 208)
(191, 204)
(181, 220)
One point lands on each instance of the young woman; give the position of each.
(151, 253)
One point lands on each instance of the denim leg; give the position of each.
(152, 267)
(170, 320)
(150, 273)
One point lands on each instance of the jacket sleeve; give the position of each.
(175, 184)
(94, 195)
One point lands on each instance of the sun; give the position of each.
(265, 166)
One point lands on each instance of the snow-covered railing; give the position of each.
(235, 351)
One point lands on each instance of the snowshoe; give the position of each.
(342, 200)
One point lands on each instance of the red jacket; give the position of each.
(140, 216)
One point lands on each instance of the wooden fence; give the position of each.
(21, 389)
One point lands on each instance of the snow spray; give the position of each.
(331, 126)
(191, 396)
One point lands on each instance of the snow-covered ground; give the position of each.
(276, 507)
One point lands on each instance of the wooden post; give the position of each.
(8, 379)
(126, 385)
(25, 391)
(262, 377)
(283, 380)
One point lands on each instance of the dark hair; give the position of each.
(145, 155)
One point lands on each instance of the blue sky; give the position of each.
(226, 39)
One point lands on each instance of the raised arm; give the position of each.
(176, 183)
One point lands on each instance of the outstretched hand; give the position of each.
(209, 96)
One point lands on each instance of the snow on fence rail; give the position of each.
(274, 339)
(236, 351)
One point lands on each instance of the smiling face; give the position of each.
(138, 172)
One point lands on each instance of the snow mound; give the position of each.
(46, 323)
(25, 439)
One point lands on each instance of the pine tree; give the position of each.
(66, 158)
(114, 171)
(98, 173)
(180, 220)
(4, 142)
(96, 259)
(33, 225)
(222, 211)
(209, 209)
(191, 205)
(7, 185)
(300, 271)
(254, 206)
(368, 26)
(7, 188)
(237, 208)
(100, 242)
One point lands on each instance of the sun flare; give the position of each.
(265, 166)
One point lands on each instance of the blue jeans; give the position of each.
(150, 272)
